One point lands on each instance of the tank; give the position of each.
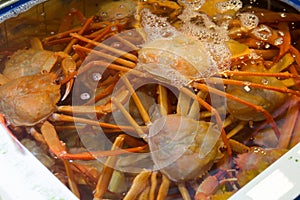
(149, 99)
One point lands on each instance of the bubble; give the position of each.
(283, 15)
(156, 27)
(229, 5)
(248, 20)
(96, 76)
(262, 32)
(116, 44)
(104, 14)
(85, 96)
(278, 41)
(265, 81)
(113, 28)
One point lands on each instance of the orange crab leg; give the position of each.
(74, 41)
(59, 149)
(106, 56)
(255, 85)
(255, 107)
(100, 34)
(245, 73)
(66, 118)
(98, 44)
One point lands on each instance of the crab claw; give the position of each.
(69, 67)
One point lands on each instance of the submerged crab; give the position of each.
(30, 91)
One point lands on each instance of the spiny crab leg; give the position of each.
(111, 49)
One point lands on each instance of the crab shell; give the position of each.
(27, 62)
(177, 58)
(27, 100)
(183, 148)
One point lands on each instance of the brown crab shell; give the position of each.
(27, 100)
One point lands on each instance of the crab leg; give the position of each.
(98, 44)
(66, 118)
(213, 111)
(236, 129)
(140, 182)
(71, 178)
(184, 192)
(153, 186)
(104, 55)
(59, 149)
(258, 108)
(138, 129)
(99, 109)
(106, 174)
(82, 30)
(255, 85)
(137, 100)
(163, 100)
(267, 74)
(164, 187)
(238, 147)
(183, 104)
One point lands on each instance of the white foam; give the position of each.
(156, 27)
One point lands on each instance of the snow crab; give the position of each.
(29, 92)
(188, 56)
